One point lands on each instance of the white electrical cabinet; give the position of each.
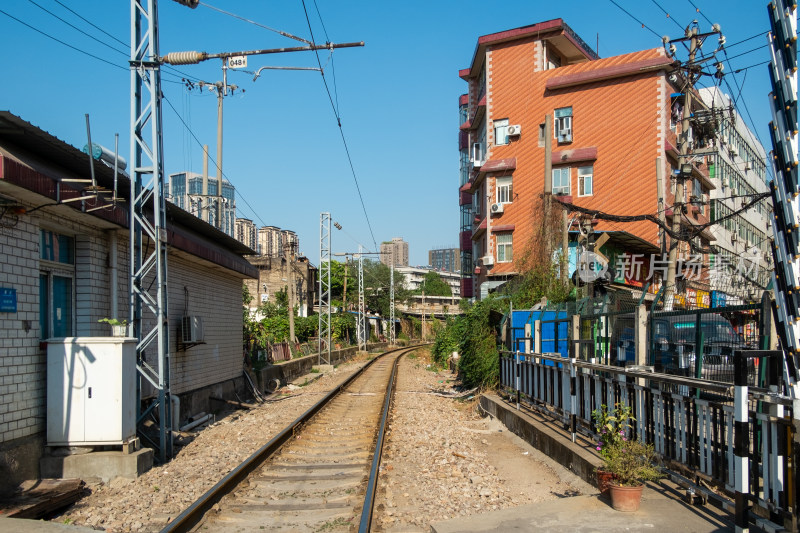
(91, 390)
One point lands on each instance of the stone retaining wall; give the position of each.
(287, 371)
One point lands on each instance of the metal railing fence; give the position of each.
(692, 433)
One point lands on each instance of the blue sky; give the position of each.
(397, 96)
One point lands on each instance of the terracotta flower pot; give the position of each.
(626, 499)
(604, 480)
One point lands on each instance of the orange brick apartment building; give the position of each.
(613, 122)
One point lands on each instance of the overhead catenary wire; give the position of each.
(279, 32)
(330, 57)
(341, 130)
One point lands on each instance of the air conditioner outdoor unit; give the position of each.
(496, 209)
(747, 166)
(565, 136)
(514, 129)
(192, 329)
(734, 237)
(487, 260)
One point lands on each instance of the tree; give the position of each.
(376, 287)
(434, 285)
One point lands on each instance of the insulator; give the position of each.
(184, 58)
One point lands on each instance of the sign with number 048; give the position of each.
(237, 62)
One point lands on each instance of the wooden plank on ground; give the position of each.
(41, 498)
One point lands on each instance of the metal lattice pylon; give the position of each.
(324, 288)
(148, 298)
(784, 188)
(391, 304)
(362, 329)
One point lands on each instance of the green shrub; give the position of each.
(474, 338)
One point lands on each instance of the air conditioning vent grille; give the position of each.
(192, 330)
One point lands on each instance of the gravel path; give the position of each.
(444, 460)
(150, 501)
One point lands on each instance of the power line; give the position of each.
(697, 9)
(745, 53)
(341, 131)
(37, 30)
(681, 26)
(81, 50)
(751, 66)
(78, 29)
(89, 23)
(748, 38)
(634, 18)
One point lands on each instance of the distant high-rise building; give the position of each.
(444, 259)
(246, 232)
(186, 191)
(270, 241)
(394, 252)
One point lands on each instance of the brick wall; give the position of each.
(22, 364)
(213, 293)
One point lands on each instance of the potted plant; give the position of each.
(632, 463)
(117, 326)
(612, 426)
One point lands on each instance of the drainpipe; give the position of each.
(113, 274)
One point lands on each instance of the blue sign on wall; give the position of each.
(8, 300)
(718, 299)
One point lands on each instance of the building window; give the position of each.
(504, 248)
(561, 181)
(563, 125)
(501, 131)
(56, 280)
(504, 191)
(585, 181)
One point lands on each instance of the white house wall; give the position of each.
(214, 294)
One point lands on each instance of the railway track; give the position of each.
(318, 474)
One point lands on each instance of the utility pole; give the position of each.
(221, 88)
(289, 251)
(391, 305)
(344, 290)
(691, 34)
(362, 330)
(205, 183)
(422, 332)
(548, 183)
(680, 189)
(324, 325)
(693, 70)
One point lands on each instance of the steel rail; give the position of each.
(372, 482)
(193, 515)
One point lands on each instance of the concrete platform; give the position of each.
(98, 465)
(661, 510)
(21, 525)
